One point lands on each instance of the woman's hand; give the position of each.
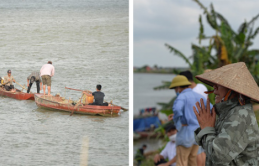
(170, 117)
(204, 116)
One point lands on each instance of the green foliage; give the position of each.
(257, 116)
(165, 85)
(201, 34)
(166, 112)
(230, 47)
(178, 53)
(148, 162)
(167, 106)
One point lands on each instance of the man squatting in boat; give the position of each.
(8, 80)
(98, 96)
(34, 77)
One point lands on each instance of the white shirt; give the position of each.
(169, 151)
(47, 69)
(200, 88)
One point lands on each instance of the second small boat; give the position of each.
(59, 103)
(19, 95)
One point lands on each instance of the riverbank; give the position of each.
(155, 72)
(159, 70)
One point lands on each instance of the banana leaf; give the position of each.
(178, 53)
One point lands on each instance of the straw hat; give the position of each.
(234, 76)
(179, 80)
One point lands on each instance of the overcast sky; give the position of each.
(175, 22)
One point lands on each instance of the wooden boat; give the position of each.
(147, 134)
(19, 95)
(59, 103)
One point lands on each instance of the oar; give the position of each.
(74, 89)
(79, 90)
(77, 104)
(124, 109)
(21, 85)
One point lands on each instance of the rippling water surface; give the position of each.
(145, 96)
(87, 41)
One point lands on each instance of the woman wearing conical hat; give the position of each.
(233, 137)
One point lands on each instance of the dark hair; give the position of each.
(187, 74)
(170, 126)
(49, 62)
(9, 71)
(144, 145)
(169, 130)
(99, 87)
(185, 86)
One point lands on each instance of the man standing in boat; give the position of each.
(46, 72)
(34, 77)
(98, 96)
(8, 80)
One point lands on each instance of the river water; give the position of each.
(87, 41)
(145, 96)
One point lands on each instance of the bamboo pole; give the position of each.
(21, 85)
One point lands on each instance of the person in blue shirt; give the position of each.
(185, 121)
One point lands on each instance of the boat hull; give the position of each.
(17, 95)
(56, 103)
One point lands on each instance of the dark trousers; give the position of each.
(162, 161)
(8, 88)
(37, 84)
(104, 104)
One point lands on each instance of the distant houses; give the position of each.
(156, 69)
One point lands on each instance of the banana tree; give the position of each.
(229, 47)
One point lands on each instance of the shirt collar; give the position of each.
(186, 90)
(223, 107)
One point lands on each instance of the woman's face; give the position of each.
(220, 92)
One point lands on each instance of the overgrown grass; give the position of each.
(146, 162)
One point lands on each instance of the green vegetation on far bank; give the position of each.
(160, 70)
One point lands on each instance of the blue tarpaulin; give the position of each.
(141, 124)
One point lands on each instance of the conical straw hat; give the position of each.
(234, 76)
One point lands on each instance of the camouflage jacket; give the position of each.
(235, 138)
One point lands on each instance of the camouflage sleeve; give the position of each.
(222, 147)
